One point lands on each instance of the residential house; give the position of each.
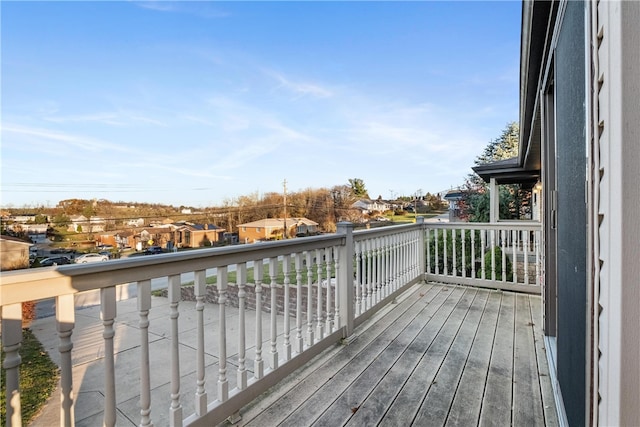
(367, 206)
(117, 239)
(579, 133)
(136, 222)
(14, 253)
(273, 228)
(454, 196)
(153, 236)
(190, 235)
(80, 223)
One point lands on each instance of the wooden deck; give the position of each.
(443, 355)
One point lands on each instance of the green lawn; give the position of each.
(38, 378)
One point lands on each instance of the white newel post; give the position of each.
(422, 246)
(345, 281)
(241, 279)
(258, 363)
(273, 274)
(11, 343)
(223, 383)
(108, 315)
(65, 321)
(200, 288)
(175, 409)
(144, 306)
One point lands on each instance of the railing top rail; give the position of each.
(503, 225)
(34, 284)
(383, 231)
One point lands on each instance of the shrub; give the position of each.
(469, 258)
(497, 253)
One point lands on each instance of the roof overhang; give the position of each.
(537, 21)
(508, 171)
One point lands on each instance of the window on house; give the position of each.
(244, 228)
(258, 229)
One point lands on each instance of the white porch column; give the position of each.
(494, 201)
(344, 284)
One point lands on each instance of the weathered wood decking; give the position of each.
(443, 355)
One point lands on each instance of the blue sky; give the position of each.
(195, 103)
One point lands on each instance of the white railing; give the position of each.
(504, 255)
(305, 285)
(318, 289)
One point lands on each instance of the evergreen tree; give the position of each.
(358, 188)
(475, 206)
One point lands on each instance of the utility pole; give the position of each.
(284, 185)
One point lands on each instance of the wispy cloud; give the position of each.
(300, 88)
(74, 141)
(202, 9)
(161, 6)
(120, 118)
(104, 118)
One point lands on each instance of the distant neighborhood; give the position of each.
(113, 230)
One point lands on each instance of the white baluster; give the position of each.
(455, 252)
(514, 238)
(286, 269)
(393, 262)
(359, 284)
(273, 274)
(435, 232)
(175, 410)
(483, 245)
(389, 265)
(241, 278)
(108, 314)
(464, 255)
(526, 255)
(384, 267)
(445, 233)
(65, 321)
(200, 289)
(299, 340)
(503, 239)
(473, 253)
(336, 306)
(537, 244)
(144, 306)
(258, 267)
(11, 344)
(310, 333)
(223, 383)
(493, 254)
(329, 309)
(428, 240)
(319, 324)
(369, 274)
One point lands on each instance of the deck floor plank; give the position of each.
(527, 403)
(497, 401)
(465, 409)
(345, 399)
(407, 404)
(546, 390)
(376, 401)
(435, 408)
(444, 355)
(375, 338)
